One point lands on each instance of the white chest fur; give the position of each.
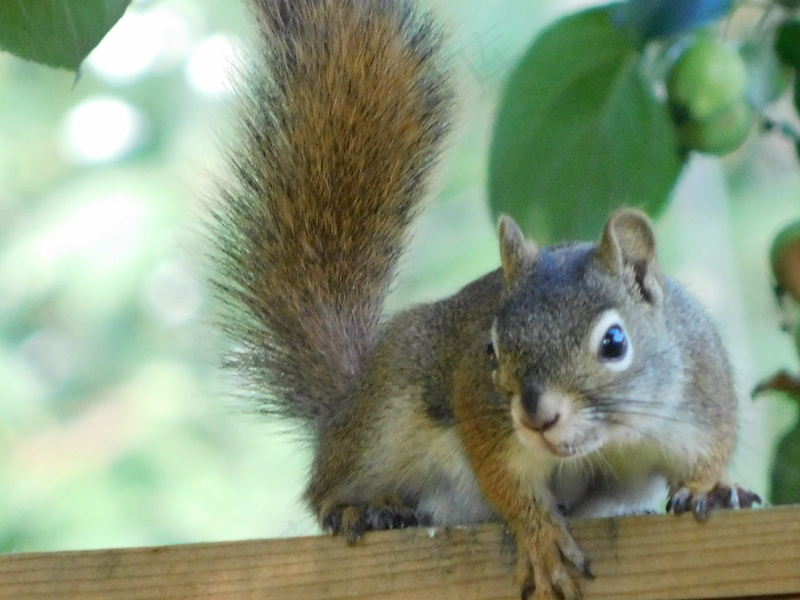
(614, 481)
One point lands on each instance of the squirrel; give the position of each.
(574, 380)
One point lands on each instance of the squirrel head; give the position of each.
(579, 346)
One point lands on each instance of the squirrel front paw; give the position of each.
(699, 498)
(549, 563)
(353, 520)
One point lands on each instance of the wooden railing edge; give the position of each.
(735, 554)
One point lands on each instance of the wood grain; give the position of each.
(744, 554)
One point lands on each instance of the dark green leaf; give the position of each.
(580, 132)
(787, 43)
(785, 480)
(59, 33)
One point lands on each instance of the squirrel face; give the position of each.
(580, 347)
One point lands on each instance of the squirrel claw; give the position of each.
(353, 520)
(549, 562)
(700, 498)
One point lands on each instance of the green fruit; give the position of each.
(721, 134)
(707, 80)
(784, 257)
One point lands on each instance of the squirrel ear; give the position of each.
(515, 251)
(628, 249)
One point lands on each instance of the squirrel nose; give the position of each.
(530, 399)
(539, 418)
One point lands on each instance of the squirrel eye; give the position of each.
(614, 344)
(610, 343)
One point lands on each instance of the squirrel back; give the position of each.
(344, 115)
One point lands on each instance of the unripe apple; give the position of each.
(707, 80)
(721, 134)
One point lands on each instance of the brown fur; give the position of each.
(347, 106)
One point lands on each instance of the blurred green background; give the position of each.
(116, 428)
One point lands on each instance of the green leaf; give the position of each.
(59, 33)
(579, 132)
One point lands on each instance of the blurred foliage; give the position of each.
(115, 425)
(784, 256)
(784, 484)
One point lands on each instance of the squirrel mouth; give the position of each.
(563, 449)
(568, 438)
(580, 446)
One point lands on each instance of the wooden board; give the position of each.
(745, 554)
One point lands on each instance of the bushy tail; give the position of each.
(343, 118)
